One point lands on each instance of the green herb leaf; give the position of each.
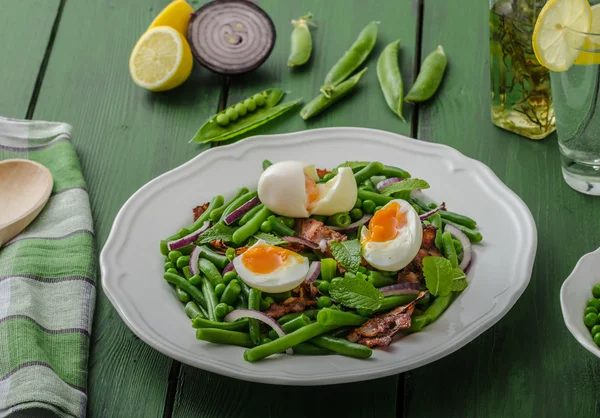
(218, 232)
(354, 165)
(459, 281)
(405, 185)
(355, 292)
(439, 275)
(347, 253)
(270, 239)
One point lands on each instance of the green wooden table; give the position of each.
(66, 60)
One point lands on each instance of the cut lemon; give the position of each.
(556, 41)
(161, 59)
(590, 53)
(177, 15)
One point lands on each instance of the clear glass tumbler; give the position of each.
(576, 102)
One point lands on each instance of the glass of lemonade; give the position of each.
(576, 93)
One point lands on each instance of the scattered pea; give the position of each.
(378, 208)
(222, 119)
(232, 114)
(324, 302)
(221, 310)
(264, 305)
(230, 254)
(287, 221)
(241, 109)
(250, 104)
(597, 339)
(596, 291)
(593, 302)
(595, 329)
(219, 289)
(358, 203)
(590, 320)
(259, 99)
(328, 177)
(356, 214)
(266, 227)
(270, 300)
(368, 206)
(183, 261)
(169, 265)
(265, 340)
(230, 309)
(174, 255)
(173, 270)
(362, 269)
(590, 310)
(324, 287)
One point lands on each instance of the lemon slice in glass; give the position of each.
(557, 36)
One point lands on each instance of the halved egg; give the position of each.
(271, 269)
(393, 237)
(290, 188)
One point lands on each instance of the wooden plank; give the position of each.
(124, 136)
(528, 364)
(26, 28)
(339, 22)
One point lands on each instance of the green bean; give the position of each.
(430, 76)
(339, 219)
(368, 185)
(474, 236)
(370, 170)
(187, 250)
(332, 317)
(341, 332)
(457, 246)
(376, 198)
(378, 279)
(229, 276)
(390, 80)
(342, 346)
(287, 221)
(230, 254)
(164, 247)
(215, 203)
(239, 325)
(182, 294)
(221, 336)
(352, 59)
(241, 303)
(211, 298)
(436, 220)
(192, 310)
(183, 261)
(248, 215)
(459, 219)
(237, 203)
(219, 289)
(279, 227)
(309, 349)
(291, 326)
(309, 313)
(218, 260)
(252, 226)
(391, 171)
(424, 300)
(172, 270)
(321, 102)
(301, 42)
(431, 314)
(211, 131)
(319, 218)
(231, 293)
(328, 269)
(210, 271)
(196, 280)
(389, 302)
(187, 286)
(216, 214)
(245, 289)
(448, 249)
(253, 324)
(286, 342)
(377, 179)
(264, 305)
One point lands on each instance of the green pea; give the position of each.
(362, 269)
(241, 109)
(597, 339)
(324, 287)
(221, 310)
(590, 310)
(590, 320)
(250, 104)
(219, 289)
(229, 276)
(174, 255)
(356, 214)
(264, 305)
(358, 203)
(430, 76)
(368, 206)
(266, 227)
(169, 265)
(270, 300)
(287, 221)
(324, 302)
(222, 119)
(195, 280)
(183, 261)
(259, 99)
(328, 177)
(172, 270)
(595, 329)
(183, 232)
(596, 291)
(265, 340)
(232, 114)
(378, 208)
(230, 254)
(595, 303)
(230, 308)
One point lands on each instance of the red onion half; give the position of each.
(250, 313)
(432, 212)
(302, 241)
(228, 267)
(401, 289)
(353, 226)
(188, 239)
(241, 211)
(385, 183)
(194, 256)
(466, 243)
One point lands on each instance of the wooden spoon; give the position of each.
(25, 187)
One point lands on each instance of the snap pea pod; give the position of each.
(458, 218)
(211, 131)
(430, 76)
(218, 260)
(301, 45)
(279, 227)
(222, 336)
(332, 317)
(322, 102)
(342, 346)
(231, 292)
(253, 324)
(250, 214)
(474, 236)
(390, 80)
(291, 326)
(436, 220)
(352, 59)
(210, 271)
(431, 314)
(193, 311)
(378, 199)
(287, 341)
(370, 170)
(193, 291)
(448, 249)
(211, 298)
(239, 325)
(309, 349)
(182, 295)
(252, 226)
(215, 215)
(237, 203)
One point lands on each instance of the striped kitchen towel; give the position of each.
(47, 283)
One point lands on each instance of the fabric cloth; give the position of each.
(47, 283)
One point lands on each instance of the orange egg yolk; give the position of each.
(312, 192)
(265, 259)
(386, 222)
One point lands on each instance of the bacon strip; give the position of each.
(306, 297)
(413, 273)
(199, 210)
(315, 231)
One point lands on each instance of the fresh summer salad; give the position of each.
(318, 261)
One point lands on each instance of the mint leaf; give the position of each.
(405, 185)
(354, 165)
(347, 253)
(459, 281)
(270, 239)
(218, 232)
(439, 275)
(355, 292)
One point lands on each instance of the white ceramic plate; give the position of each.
(574, 294)
(132, 266)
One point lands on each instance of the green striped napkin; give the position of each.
(47, 283)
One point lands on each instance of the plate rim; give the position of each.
(454, 344)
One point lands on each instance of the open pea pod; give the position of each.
(253, 116)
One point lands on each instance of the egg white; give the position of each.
(398, 252)
(337, 195)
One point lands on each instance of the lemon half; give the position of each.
(177, 15)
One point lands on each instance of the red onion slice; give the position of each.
(241, 211)
(353, 226)
(188, 239)
(313, 271)
(401, 289)
(385, 183)
(432, 212)
(194, 256)
(251, 313)
(228, 267)
(466, 243)
(302, 241)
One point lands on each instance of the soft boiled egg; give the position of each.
(290, 188)
(271, 269)
(393, 237)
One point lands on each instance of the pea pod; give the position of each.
(429, 77)
(351, 60)
(390, 80)
(301, 42)
(321, 102)
(212, 131)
